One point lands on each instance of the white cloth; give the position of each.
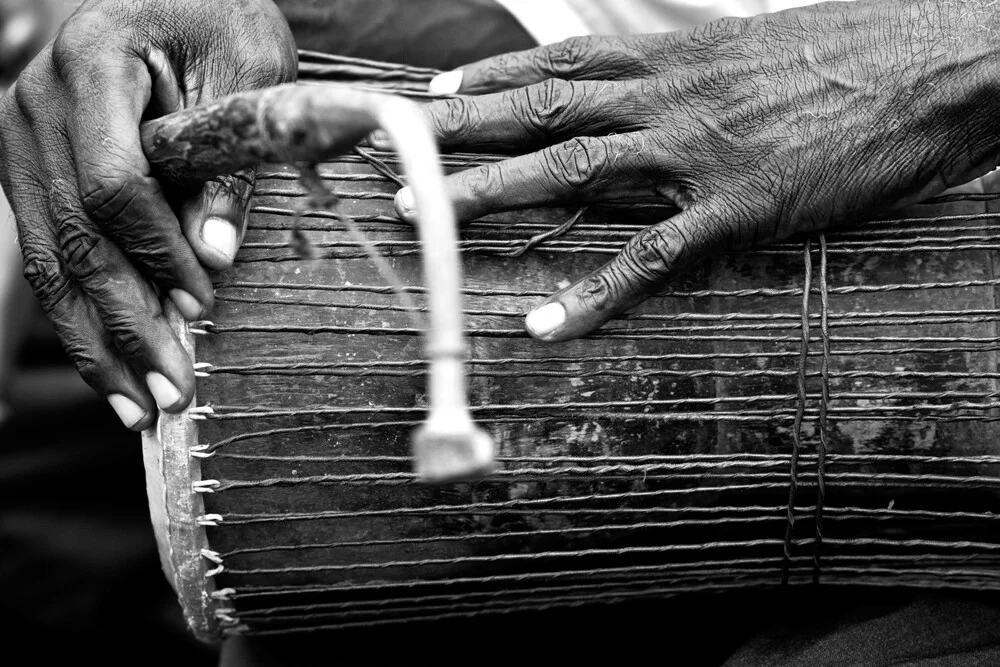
(550, 21)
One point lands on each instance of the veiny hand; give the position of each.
(756, 129)
(95, 227)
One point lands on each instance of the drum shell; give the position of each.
(656, 456)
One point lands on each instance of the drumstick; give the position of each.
(298, 123)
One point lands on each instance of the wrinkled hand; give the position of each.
(96, 230)
(756, 129)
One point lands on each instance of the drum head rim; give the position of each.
(176, 509)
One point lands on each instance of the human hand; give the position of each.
(96, 229)
(756, 129)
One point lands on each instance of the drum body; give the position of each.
(822, 410)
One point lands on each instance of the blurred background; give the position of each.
(79, 572)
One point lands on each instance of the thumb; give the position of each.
(649, 260)
(215, 218)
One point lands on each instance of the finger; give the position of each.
(598, 57)
(74, 318)
(585, 169)
(116, 188)
(128, 307)
(124, 300)
(215, 219)
(534, 116)
(651, 259)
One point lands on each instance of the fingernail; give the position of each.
(406, 205)
(379, 139)
(447, 83)
(128, 410)
(165, 393)
(187, 304)
(220, 236)
(545, 320)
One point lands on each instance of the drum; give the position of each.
(823, 410)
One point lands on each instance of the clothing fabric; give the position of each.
(554, 20)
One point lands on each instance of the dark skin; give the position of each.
(102, 241)
(932, 168)
(755, 129)
(96, 229)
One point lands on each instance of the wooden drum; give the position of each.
(821, 410)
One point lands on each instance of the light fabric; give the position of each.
(550, 21)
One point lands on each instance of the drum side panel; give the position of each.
(650, 458)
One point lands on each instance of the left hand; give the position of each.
(756, 129)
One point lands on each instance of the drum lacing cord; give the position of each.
(821, 451)
(225, 615)
(321, 197)
(793, 475)
(536, 240)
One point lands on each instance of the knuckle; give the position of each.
(81, 248)
(115, 203)
(486, 184)
(69, 44)
(600, 290)
(652, 254)
(500, 69)
(543, 103)
(106, 198)
(90, 369)
(578, 163)
(30, 91)
(44, 271)
(456, 118)
(128, 334)
(562, 58)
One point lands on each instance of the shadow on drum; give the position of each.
(823, 410)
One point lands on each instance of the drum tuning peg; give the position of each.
(200, 413)
(201, 327)
(212, 556)
(201, 452)
(223, 594)
(226, 616)
(210, 520)
(206, 485)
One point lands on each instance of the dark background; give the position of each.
(80, 580)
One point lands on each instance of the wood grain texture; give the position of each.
(174, 507)
(651, 458)
(681, 425)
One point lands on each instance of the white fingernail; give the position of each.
(128, 410)
(220, 236)
(187, 304)
(406, 205)
(543, 321)
(379, 139)
(447, 83)
(165, 393)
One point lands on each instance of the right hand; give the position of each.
(96, 230)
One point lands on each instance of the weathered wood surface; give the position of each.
(680, 421)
